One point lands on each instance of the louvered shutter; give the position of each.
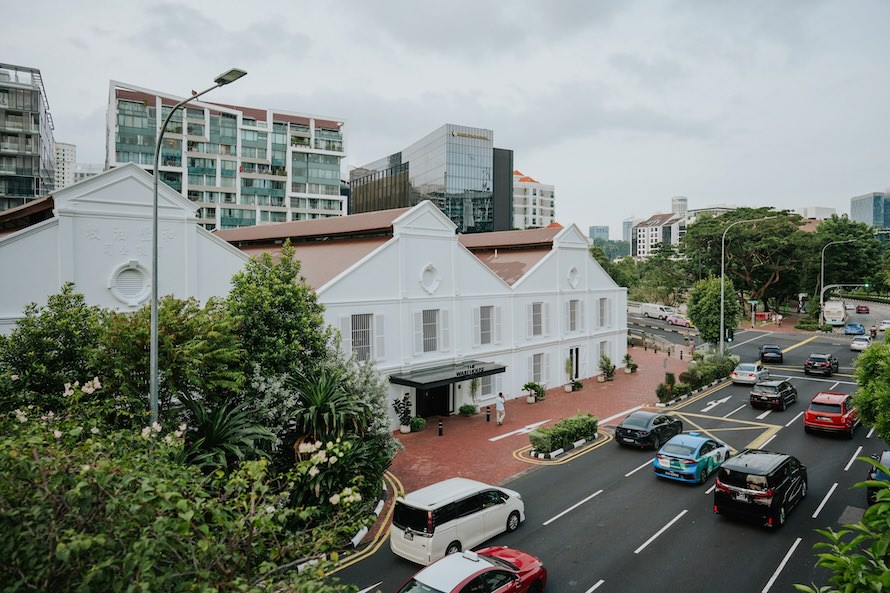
(444, 327)
(418, 333)
(379, 341)
(346, 334)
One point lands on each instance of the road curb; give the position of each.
(358, 537)
(688, 395)
(558, 452)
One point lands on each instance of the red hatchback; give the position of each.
(833, 412)
(495, 569)
(862, 309)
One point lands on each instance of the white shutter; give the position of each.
(531, 326)
(379, 341)
(497, 326)
(567, 324)
(581, 327)
(531, 368)
(546, 370)
(477, 327)
(443, 326)
(582, 356)
(346, 334)
(546, 318)
(418, 333)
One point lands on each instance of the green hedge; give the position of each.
(564, 433)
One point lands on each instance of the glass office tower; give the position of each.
(27, 147)
(455, 167)
(873, 209)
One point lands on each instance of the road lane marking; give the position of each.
(764, 415)
(572, 508)
(767, 441)
(781, 566)
(714, 403)
(790, 422)
(371, 588)
(524, 430)
(619, 415)
(711, 489)
(633, 471)
(870, 432)
(734, 411)
(659, 532)
(596, 586)
(852, 459)
(825, 500)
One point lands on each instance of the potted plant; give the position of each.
(536, 392)
(403, 411)
(569, 367)
(467, 410)
(607, 369)
(474, 388)
(417, 423)
(629, 365)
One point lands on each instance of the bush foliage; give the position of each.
(564, 433)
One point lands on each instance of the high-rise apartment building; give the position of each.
(533, 202)
(455, 167)
(873, 209)
(27, 147)
(241, 165)
(598, 232)
(86, 170)
(66, 164)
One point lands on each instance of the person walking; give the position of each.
(499, 408)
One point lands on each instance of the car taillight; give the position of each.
(663, 459)
(721, 486)
(429, 521)
(764, 495)
(687, 462)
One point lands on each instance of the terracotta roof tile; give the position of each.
(352, 225)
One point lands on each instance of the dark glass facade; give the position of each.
(454, 167)
(872, 209)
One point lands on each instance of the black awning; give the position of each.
(447, 374)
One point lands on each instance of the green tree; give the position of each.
(626, 272)
(279, 319)
(599, 255)
(872, 397)
(664, 278)
(612, 249)
(703, 308)
(845, 263)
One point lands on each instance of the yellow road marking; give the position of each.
(522, 454)
(397, 489)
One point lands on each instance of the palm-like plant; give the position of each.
(223, 436)
(328, 410)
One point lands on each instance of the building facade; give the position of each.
(241, 166)
(533, 202)
(27, 147)
(657, 230)
(873, 209)
(455, 167)
(598, 232)
(66, 164)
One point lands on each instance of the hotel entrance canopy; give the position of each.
(446, 374)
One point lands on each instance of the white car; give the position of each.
(860, 343)
(884, 325)
(749, 373)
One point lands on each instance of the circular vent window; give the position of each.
(129, 283)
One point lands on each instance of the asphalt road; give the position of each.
(603, 521)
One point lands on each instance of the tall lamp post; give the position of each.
(723, 272)
(221, 80)
(822, 277)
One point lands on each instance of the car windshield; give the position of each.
(636, 421)
(676, 449)
(415, 586)
(746, 368)
(770, 348)
(828, 408)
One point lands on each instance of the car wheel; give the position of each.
(806, 372)
(512, 521)
(646, 315)
(850, 432)
(783, 405)
(656, 442)
(536, 587)
(453, 548)
(703, 476)
(807, 430)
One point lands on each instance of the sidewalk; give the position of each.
(466, 448)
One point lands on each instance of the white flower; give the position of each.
(57, 434)
(168, 438)
(270, 509)
(94, 430)
(14, 377)
(182, 427)
(332, 460)
(146, 432)
(87, 388)
(85, 467)
(335, 499)
(313, 471)
(96, 384)
(156, 427)
(21, 416)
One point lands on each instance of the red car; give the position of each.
(496, 569)
(833, 412)
(862, 309)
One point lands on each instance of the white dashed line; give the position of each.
(825, 500)
(572, 508)
(852, 459)
(633, 471)
(659, 532)
(781, 566)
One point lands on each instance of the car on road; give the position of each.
(761, 485)
(690, 457)
(849, 306)
(831, 412)
(884, 325)
(854, 328)
(647, 429)
(821, 364)
(489, 570)
(677, 319)
(860, 343)
(772, 353)
(773, 394)
(450, 516)
(749, 373)
(863, 309)
(876, 474)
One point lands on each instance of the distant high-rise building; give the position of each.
(241, 165)
(27, 147)
(679, 205)
(533, 202)
(66, 162)
(657, 230)
(455, 167)
(86, 170)
(598, 232)
(627, 226)
(873, 209)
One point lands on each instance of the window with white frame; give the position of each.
(487, 325)
(605, 349)
(486, 385)
(538, 319)
(362, 334)
(605, 320)
(430, 331)
(575, 315)
(539, 367)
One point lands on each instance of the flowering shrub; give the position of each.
(564, 433)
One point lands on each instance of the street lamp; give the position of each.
(221, 80)
(722, 271)
(822, 277)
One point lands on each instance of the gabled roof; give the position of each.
(511, 254)
(367, 224)
(660, 219)
(29, 213)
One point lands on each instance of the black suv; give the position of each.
(824, 364)
(772, 353)
(773, 394)
(762, 485)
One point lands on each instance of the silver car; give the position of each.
(749, 373)
(860, 343)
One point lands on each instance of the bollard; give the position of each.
(440, 428)
(681, 354)
(488, 413)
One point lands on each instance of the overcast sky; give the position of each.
(620, 105)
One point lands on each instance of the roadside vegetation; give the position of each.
(269, 449)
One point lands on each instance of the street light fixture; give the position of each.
(822, 277)
(221, 80)
(723, 272)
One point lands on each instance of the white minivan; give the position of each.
(657, 311)
(450, 516)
